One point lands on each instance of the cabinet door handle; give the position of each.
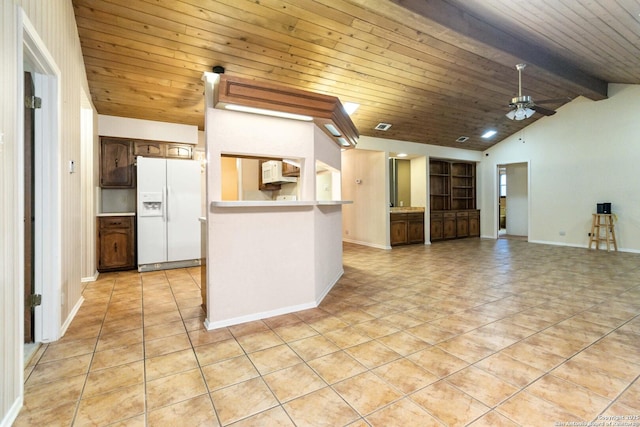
(116, 223)
(116, 160)
(115, 247)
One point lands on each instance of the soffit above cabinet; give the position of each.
(323, 109)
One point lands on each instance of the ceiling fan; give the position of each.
(523, 106)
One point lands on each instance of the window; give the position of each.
(503, 183)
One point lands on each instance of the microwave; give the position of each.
(272, 173)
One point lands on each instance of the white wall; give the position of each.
(419, 173)
(365, 182)
(264, 261)
(54, 23)
(89, 171)
(517, 199)
(584, 154)
(327, 220)
(124, 127)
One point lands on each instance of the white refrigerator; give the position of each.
(169, 207)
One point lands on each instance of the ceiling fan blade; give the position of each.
(542, 110)
(554, 100)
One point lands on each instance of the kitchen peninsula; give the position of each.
(270, 257)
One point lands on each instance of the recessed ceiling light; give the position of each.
(401, 155)
(382, 126)
(332, 129)
(350, 107)
(343, 142)
(462, 139)
(489, 133)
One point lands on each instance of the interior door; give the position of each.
(183, 209)
(29, 203)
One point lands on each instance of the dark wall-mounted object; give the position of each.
(218, 69)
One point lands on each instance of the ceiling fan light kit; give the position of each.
(520, 113)
(523, 106)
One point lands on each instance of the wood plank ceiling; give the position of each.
(434, 69)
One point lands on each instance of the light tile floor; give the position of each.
(469, 332)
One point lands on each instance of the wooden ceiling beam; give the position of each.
(477, 31)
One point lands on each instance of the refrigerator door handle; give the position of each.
(168, 205)
(165, 210)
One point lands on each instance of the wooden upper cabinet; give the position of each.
(116, 163)
(149, 149)
(181, 151)
(289, 169)
(463, 185)
(452, 185)
(117, 157)
(440, 184)
(163, 149)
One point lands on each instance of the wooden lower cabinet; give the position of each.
(462, 224)
(474, 224)
(407, 228)
(436, 226)
(454, 224)
(415, 228)
(449, 225)
(398, 229)
(116, 243)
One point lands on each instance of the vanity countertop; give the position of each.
(406, 209)
(116, 214)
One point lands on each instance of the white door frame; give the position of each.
(35, 57)
(496, 189)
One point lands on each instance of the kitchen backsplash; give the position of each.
(118, 200)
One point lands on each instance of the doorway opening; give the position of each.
(29, 214)
(513, 201)
(502, 201)
(40, 189)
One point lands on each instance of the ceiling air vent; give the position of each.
(382, 126)
(462, 139)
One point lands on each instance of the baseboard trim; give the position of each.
(328, 288)
(257, 316)
(13, 412)
(371, 245)
(71, 316)
(571, 245)
(168, 265)
(90, 278)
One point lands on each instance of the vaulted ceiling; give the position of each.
(433, 69)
